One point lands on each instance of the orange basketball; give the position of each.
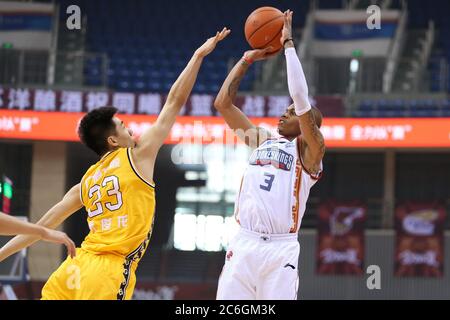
(263, 28)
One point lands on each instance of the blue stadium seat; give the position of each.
(90, 80)
(139, 85)
(154, 86)
(383, 104)
(200, 87)
(123, 85)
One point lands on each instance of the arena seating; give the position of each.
(148, 43)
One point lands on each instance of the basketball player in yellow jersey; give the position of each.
(118, 194)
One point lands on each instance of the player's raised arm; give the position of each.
(298, 89)
(233, 116)
(151, 140)
(52, 219)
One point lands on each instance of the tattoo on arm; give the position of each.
(233, 87)
(318, 137)
(316, 131)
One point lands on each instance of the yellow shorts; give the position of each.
(92, 277)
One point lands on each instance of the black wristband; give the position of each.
(286, 40)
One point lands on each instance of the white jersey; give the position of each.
(274, 188)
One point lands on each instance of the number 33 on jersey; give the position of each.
(120, 204)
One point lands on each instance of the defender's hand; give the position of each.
(211, 43)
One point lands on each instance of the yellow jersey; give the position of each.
(120, 204)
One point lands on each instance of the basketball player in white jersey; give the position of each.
(262, 259)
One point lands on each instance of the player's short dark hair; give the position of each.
(95, 127)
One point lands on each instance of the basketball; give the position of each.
(263, 28)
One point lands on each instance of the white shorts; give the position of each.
(260, 266)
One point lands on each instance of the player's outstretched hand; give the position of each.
(59, 237)
(211, 43)
(286, 32)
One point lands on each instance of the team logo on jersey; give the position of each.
(272, 156)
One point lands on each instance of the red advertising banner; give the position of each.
(338, 132)
(419, 240)
(340, 248)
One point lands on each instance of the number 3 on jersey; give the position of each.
(114, 190)
(268, 182)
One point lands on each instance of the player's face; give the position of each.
(124, 136)
(288, 125)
